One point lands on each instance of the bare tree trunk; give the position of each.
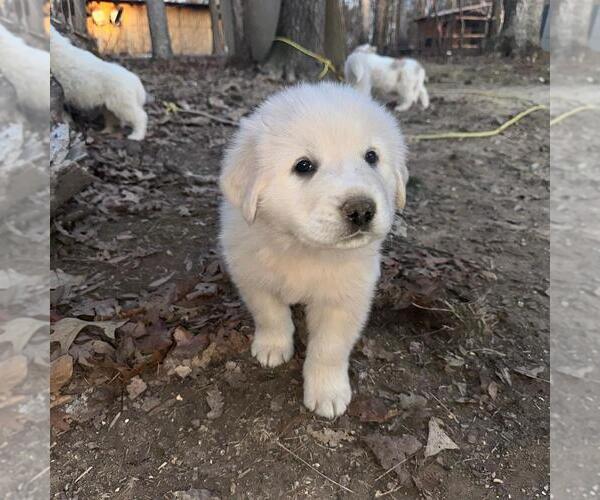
(566, 33)
(496, 21)
(217, 28)
(510, 11)
(380, 34)
(304, 23)
(226, 8)
(242, 47)
(521, 28)
(159, 29)
(403, 24)
(462, 26)
(335, 33)
(367, 20)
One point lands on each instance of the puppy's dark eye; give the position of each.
(305, 167)
(371, 157)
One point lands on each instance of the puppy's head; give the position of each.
(322, 163)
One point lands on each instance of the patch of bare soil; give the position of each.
(575, 297)
(450, 380)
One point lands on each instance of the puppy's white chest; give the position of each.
(302, 278)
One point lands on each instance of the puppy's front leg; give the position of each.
(332, 334)
(273, 342)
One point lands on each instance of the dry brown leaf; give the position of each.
(393, 451)
(60, 400)
(18, 331)
(372, 350)
(206, 357)
(181, 336)
(493, 390)
(136, 387)
(330, 437)
(370, 409)
(61, 371)
(66, 330)
(182, 371)
(530, 372)
(215, 400)
(438, 440)
(12, 372)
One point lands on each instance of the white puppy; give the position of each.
(27, 70)
(89, 82)
(311, 182)
(367, 70)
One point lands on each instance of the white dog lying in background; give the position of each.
(311, 181)
(89, 82)
(27, 69)
(367, 70)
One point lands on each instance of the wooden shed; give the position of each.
(121, 28)
(464, 27)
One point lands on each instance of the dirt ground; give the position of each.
(575, 289)
(174, 406)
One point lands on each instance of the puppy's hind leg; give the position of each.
(406, 96)
(333, 330)
(139, 122)
(424, 97)
(405, 106)
(273, 342)
(111, 123)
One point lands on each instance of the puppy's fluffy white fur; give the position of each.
(89, 82)
(284, 237)
(27, 70)
(405, 77)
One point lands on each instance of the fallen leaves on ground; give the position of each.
(438, 440)
(61, 371)
(13, 371)
(135, 387)
(533, 372)
(18, 331)
(372, 350)
(370, 409)
(330, 437)
(393, 451)
(65, 331)
(193, 494)
(215, 401)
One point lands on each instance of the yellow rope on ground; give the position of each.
(482, 134)
(563, 116)
(327, 64)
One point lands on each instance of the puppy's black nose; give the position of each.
(359, 211)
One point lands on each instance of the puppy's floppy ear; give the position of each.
(240, 179)
(401, 180)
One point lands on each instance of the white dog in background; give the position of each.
(311, 181)
(89, 83)
(27, 69)
(367, 71)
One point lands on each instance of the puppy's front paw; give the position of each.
(327, 391)
(136, 136)
(272, 350)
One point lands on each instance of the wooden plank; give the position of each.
(469, 35)
(474, 18)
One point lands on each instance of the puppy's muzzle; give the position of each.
(358, 212)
